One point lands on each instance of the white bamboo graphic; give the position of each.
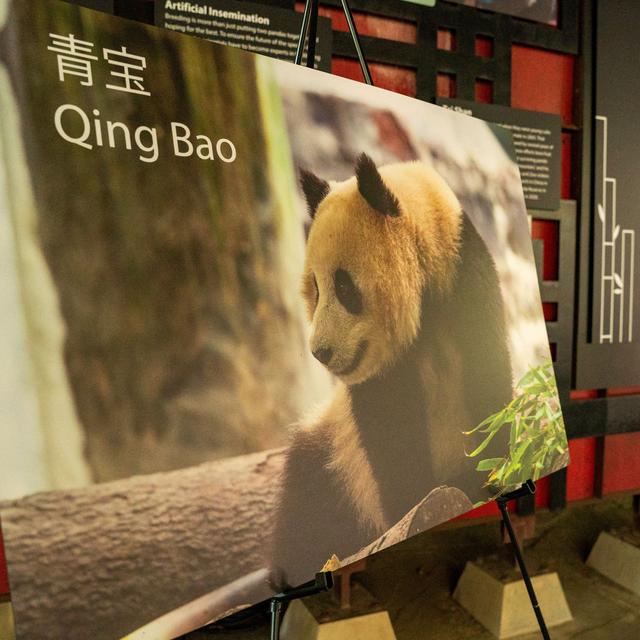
(616, 279)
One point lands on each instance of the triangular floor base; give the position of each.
(504, 608)
(617, 558)
(320, 618)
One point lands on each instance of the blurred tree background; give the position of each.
(177, 280)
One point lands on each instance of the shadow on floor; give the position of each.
(414, 580)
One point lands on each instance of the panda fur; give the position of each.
(427, 336)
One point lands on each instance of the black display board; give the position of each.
(609, 349)
(536, 141)
(257, 28)
(616, 198)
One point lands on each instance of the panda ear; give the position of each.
(373, 189)
(315, 190)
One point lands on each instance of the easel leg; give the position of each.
(313, 33)
(306, 16)
(309, 30)
(356, 42)
(323, 582)
(276, 615)
(502, 504)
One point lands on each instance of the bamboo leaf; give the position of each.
(539, 376)
(489, 464)
(483, 446)
(513, 435)
(520, 451)
(482, 424)
(535, 424)
(547, 411)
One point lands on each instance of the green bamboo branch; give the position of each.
(537, 439)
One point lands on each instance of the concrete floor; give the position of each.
(6, 621)
(414, 580)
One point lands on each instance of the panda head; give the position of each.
(376, 241)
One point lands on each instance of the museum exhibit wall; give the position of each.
(461, 52)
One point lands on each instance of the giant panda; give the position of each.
(406, 312)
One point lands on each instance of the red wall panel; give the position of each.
(542, 492)
(4, 578)
(483, 91)
(621, 464)
(623, 391)
(566, 183)
(396, 79)
(580, 475)
(370, 25)
(542, 81)
(584, 394)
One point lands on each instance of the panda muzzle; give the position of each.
(357, 359)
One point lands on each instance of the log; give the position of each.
(98, 562)
(208, 608)
(441, 504)
(102, 561)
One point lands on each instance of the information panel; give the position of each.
(257, 28)
(537, 145)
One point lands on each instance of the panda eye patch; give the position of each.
(347, 293)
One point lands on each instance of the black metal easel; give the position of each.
(527, 489)
(323, 582)
(309, 32)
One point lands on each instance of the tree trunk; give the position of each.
(101, 561)
(177, 280)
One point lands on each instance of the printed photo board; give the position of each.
(254, 317)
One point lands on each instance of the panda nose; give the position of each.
(323, 354)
